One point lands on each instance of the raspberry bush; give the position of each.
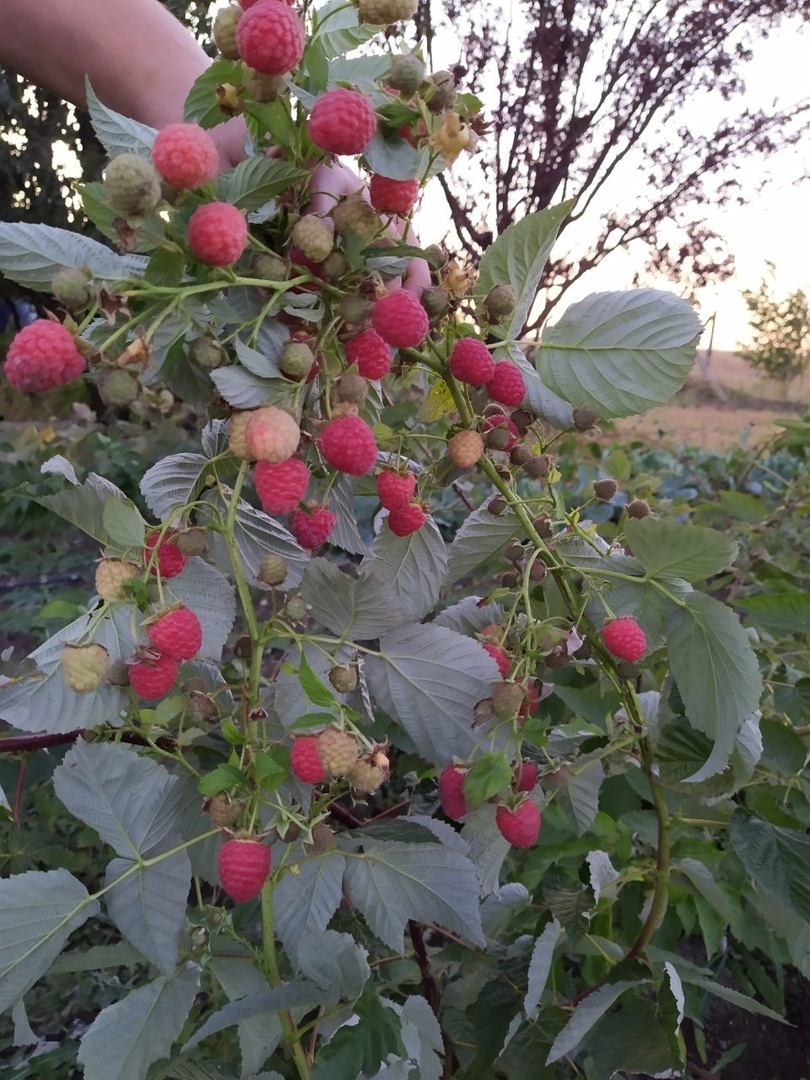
(395, 741)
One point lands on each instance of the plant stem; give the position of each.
(431, 992)
(274, 979)
(658, 906)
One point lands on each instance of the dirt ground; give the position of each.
(699, 416)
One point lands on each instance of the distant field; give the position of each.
(699, 417)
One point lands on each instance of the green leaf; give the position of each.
(777, 859)
(292, 995)
(240, 978)
(680, 753)
(518, 258)
(32, 254)
(39, 910)
(118, 134)
(686, 551)
(148, 905)
(222, 778)
(271, 768)
(620, 353)
(734, 997)
(429, 680)
(85, 504)
(584, 1017)
(256, 180)
(629, 1041)
(540, 967)
(356, 608)
(127, 1037)
(361, 1048)
(315, 690)
(582, 792)
(414, 566)
(396, 158)
(778, 613)
(333, 961)
(550, 407)
(670, 1011)
(123, 524)
(716, 671)
(337, 31)
(96, 958)
(166, 267)
(391, 883)
(201, 104)
(481, 536)
(308, 899)
(130, 801)
(742, 506)
(490, 775)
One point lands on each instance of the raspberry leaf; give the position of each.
(86, 505)
(172, 483)
(118, 134)
(353, 608)
(309, 899)
(256, 180)
(290, 995)
(414, 565)
(488, 848)
(257, 535)
(336, 29)
(201, 105)
(481, 535)
(687, 551)
(333, 961)
(125, 1038)
(490, 775)
(259, 1035)
(540, 967)
(148, 905)
(39, 910)
(586, 1014)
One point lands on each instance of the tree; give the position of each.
(591, 102)
(781, 331)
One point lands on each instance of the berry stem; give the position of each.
(274, 979)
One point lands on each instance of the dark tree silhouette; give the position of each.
(591, 103)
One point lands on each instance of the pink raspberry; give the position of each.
(525, 775)
(395, 488)
(504, 424)
(169, 561)
(43, 355)
(342, 122)
(371, 354)
(185, 155)
(404, 520)
(392, 196)
(281, 486)
(218, 232)
(151, 679)
(348, 445)
(625, 639)
(305, 760)
(507, 385)
(500, 658)
(531, 702)
(271, 434)
(400, 319)
(470, 362)
(451, 792)
(520, 826)
(311, 527)
(270, 38)
(177, 634)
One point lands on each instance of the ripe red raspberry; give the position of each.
(342, 122)
(338, 751)
(371, 354)
(169, 561)
(400, 319)
(311, 527)
(625, 639)
(395, 488)
(520, 826)
(151, 679)
(244, 865)
(348, 445)
(404, 520)
(500, 658)
(281, 487)
(218, 232)
(392, 196)
(43, 355)
(500, 425)
(525, 775)
(177, 634)
(465, 449)
(271, 434)
(470, 362)
(506, 384)
(305, 760)
(270, 38)
(185, 155)
(451, 792)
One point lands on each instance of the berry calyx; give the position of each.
(625, 639)
(405, 520)
(270, 38)
(521, 825)
(185, 155)
(178, 634)
(305, 761)
(451, 792)
(244, 866)
(393, 196)
(163, 556)
(370, 353)
(395, 488)
(217, 233)
(507, 384)
(342, 121)
(153, 677)
(470, 362)
(312, 526)
(400, 319)
(348, 445)
(42, 356)
(281, 486)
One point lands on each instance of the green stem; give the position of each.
(243, 589)
(658, 906)
(271, 972)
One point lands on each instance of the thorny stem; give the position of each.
(274, 979)
(658, 906)
(431, 992)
